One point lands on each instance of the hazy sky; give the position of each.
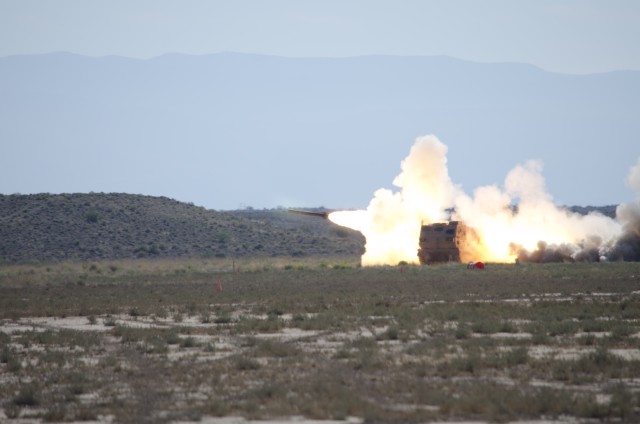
(565, 36)
(572, 36)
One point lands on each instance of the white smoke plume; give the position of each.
(391, 223)
(505, 232)
(518, 220)
(627, 247)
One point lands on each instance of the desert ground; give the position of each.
(318, 341)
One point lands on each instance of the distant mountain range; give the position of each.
(233, 130)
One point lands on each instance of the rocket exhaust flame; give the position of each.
(536, 230)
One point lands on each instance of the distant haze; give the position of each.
(569, 36)
(232, 130)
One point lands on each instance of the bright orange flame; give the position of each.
(352, 219)
(388, 241)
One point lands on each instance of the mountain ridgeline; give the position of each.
(96, 226)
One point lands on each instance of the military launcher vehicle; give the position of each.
(441, 242)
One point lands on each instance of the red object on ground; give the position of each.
(218, 286)
(479, 265)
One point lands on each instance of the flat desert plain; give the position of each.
(318, 341)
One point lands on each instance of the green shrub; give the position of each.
(243, 363)
(517, 356)
(91, 217)
(391, 333)
(188, 342)
(275, 348)
(6, 354)
(172, 337)
(27, 396)
(224, 318)
(462, 332)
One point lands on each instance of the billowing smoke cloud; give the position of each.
(516, 221)
(391, 223)
(537, 230)
(627, 247)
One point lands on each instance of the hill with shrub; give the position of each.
(96, 226)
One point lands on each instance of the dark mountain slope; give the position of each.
(111, 226)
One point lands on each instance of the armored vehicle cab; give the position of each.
(441, 242)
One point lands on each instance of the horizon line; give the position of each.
(320, 57)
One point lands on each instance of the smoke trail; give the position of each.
(627, 247)
(516, 221)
